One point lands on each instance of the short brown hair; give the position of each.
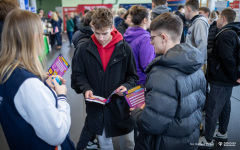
(169, 22)
(193, 4)
(159, 2)
(205, 10)
(102, 18)
(6, 6)
(138, 13)
(88, 18)
(229, 14)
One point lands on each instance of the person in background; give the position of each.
(119, 17)
(159, 7)
(82, 35)
(175, 91)
(35, 114)
(223, 75)
(139, 40)
(6, 6)
(76, 21)
(60, 24)
(85, 12)
(205, 12)
(114, 69)
(84, 32)
(213, 30)
(56, 31)
(122, 27)
(41, 13)
(180, 12)
(197, 34)
(70, 29)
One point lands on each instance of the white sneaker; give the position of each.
(204, 144)
(220, 137)
(92, 144)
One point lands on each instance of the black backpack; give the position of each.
(237, 33)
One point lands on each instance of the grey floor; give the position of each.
(78, 107)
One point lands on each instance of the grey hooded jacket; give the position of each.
(175, 94)
(197, 35)
(160, 9)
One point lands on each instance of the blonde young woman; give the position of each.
(34, 113)
(56, 25)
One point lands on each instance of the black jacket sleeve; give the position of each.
(79, 72)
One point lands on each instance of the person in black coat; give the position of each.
(222, 75)
(180, 13)
(114, 69)
(125, 23)
(175, 91)
(213, 30)
(84, 30)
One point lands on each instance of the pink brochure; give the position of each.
(135, 96)
(59, 66)
(99, 99)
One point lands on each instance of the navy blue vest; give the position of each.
(19, 134)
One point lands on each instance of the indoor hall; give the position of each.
(78, 112)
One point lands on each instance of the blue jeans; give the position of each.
(70, 34)
(218, 106)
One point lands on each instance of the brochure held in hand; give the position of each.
(59, 66)
(135, 96)
(99, 99)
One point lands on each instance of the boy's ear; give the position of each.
(224, 19)
(189, 9)
(145, 20)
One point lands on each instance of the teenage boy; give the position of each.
(223, 75)
(105, 64)
(197, 34)
(175, 91)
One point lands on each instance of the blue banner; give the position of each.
(127, 6)
(26, 4)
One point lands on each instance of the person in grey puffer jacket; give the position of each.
(197, 34)
(175, 91)
(159, 7)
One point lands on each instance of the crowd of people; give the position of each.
(187, 62)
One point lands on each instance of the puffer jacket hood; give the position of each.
(160, 9)
(200, 18)
(83, 32)
(234, 26)
(183, 57)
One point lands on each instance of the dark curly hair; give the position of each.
(102, 18)
(138, 13)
